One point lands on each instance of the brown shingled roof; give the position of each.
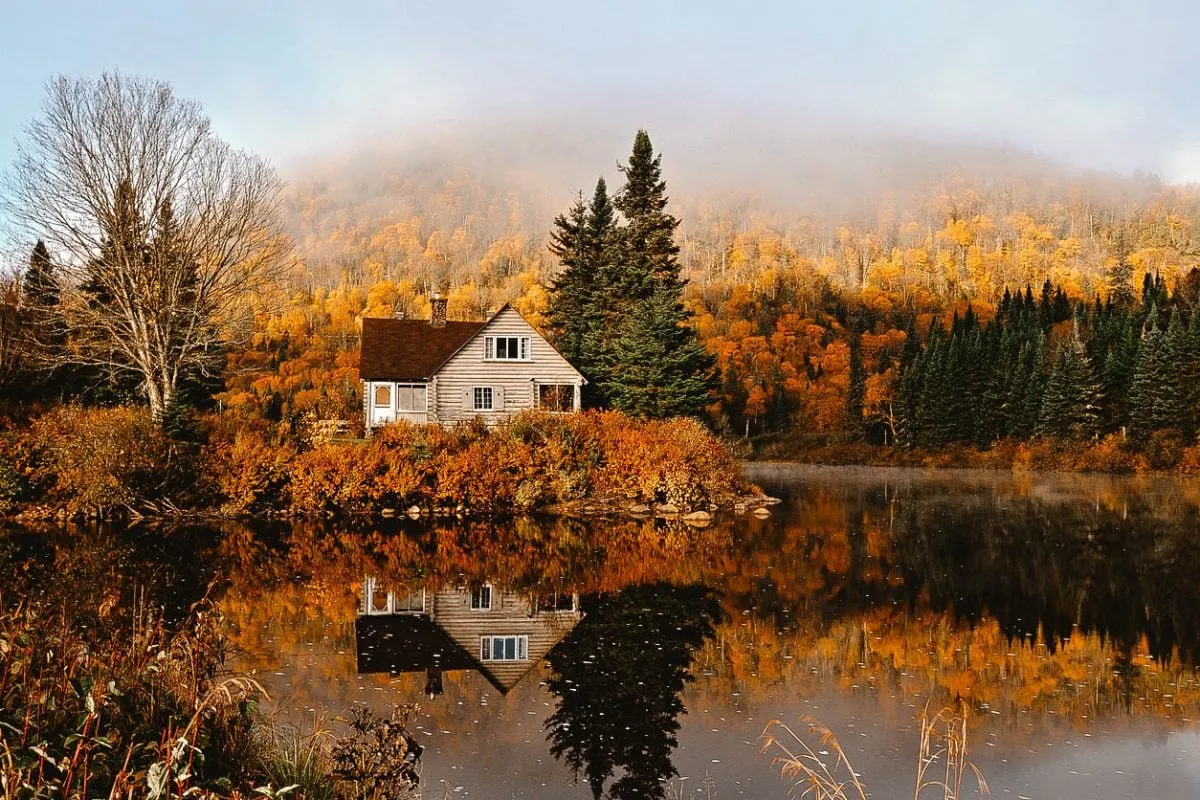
(409, 349)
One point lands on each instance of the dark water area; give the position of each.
(559, 658)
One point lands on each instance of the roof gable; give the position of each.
(409, 349)
(505, 317)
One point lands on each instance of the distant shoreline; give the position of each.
(1109, 456)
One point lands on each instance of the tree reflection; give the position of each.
(1054, 570)
(618, 677)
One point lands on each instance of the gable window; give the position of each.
(483, 398)
(506, 348)
(383, 396)
(481, 598)
(556, 397)
(503, 648)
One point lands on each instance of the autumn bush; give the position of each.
(99, 459)
(530, 462)
(251, 471)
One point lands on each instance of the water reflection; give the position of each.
(619, 678)
(1051, 606)
(497, 632)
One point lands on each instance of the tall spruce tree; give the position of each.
(1120, 274)
(1149, 376)
(571, 292)
(1071, 400)
(39, 287)
(653, 362)
(585, 241)
(648, 253)
(657, 367)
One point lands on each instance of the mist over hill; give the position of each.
(474, 184)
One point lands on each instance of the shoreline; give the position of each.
(1112, 455)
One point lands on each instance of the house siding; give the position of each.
(513, 382)
(510, 615)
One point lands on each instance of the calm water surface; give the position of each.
(550, 658)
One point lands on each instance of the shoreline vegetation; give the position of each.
(74, 461)
(1110, 455)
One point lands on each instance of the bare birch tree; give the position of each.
(162, 233)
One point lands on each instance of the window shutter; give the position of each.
(466, 401)
(498, 398)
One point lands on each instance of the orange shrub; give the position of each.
(251, 473)
(529, 462)
(98, 459)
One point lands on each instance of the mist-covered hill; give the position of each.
(430, 203)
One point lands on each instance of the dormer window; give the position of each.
(506, 348)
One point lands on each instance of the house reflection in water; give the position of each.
(502, 635)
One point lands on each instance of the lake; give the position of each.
(548, 657)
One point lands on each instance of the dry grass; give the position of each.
(942, 761)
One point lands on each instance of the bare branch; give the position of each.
(162, 233)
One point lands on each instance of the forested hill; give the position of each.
(843, 288)
(458, 202)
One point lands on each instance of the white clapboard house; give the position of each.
(439, 371)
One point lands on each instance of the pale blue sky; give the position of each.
(1101, 84)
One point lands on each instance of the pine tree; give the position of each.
(1145, 409)
(571, 291)
(1071, 401)
(648, 258)
(856, 390)
(39, 288)
(583, 307)
(658, 368)
(1120, 274)
(1174, 396)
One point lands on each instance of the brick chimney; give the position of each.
(437, 315)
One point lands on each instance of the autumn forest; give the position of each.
(1007, 312)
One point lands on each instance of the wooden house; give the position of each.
(440, 371)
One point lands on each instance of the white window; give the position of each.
(556, 397)
(506, 348)
(411, 398)
(503, 648)
(483, 398)
(481, 597)
(377, 598)
(383, 396)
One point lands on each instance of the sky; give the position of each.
(1105, 84)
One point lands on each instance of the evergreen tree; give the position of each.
(1149, 378)
(657, 367)
(583, 306)
(648, 260)
(39, 288)
(571, 293)
(856, 390)
(1120, 275)
(1174, 396)
(1071, 401)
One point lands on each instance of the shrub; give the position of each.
(97, 459)
(251, 473)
